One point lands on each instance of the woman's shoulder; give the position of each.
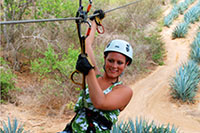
(122, 87)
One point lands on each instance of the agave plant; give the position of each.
(182, 7)
(180, 30)
(178, 8)
(193, 14)
(195, 49)
(12, 128)
(184, 84)
(168, 20)
(171, 16)
(141, 126)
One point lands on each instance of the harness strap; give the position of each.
(68, 127)
(102, 122)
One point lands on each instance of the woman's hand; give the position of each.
(98, 19)
(83, 65)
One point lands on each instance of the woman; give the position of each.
(105, 96)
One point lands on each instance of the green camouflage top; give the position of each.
(80, 123)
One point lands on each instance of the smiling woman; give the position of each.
(99, 106)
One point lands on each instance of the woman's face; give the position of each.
(115, 64)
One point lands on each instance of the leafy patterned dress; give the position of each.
(80, 124)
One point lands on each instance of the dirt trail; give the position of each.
(151, 99)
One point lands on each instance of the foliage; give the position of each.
(12, 128)
(56, 67)
(195, 49)
(14, 10)
(141, 126)
(184, 84)
(52, 62)
(58, 8)
(157, 50)
(173, 1)
(7, 81)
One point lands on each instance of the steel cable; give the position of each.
(61, 19)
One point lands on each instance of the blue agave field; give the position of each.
(177, 9)
(184, 84)
(142, 126)
(190, 17)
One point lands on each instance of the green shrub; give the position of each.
(173, 1)
(7, 81)
(157, 50)
(141, 126)
(58, 8)
(52, 62)
(12, 128)
(184, 84)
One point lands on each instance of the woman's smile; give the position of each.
(115, 64)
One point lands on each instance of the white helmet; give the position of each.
(122, 47)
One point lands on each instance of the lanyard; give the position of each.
(82, 14)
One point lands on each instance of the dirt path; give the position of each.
(151, 99)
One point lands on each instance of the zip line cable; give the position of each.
(61, 19)
(107, 11)
(39, 20)
(134, 2)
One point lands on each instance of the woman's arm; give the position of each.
(89, 50)
(118, 98)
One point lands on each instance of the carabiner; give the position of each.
(72, 79)
(99, 31)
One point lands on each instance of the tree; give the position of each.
(12, 10)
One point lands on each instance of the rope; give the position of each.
(61, 19)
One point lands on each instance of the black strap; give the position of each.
(103, 123)
(68, 127)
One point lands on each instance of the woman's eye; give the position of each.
(110, 60)
(119, 62)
